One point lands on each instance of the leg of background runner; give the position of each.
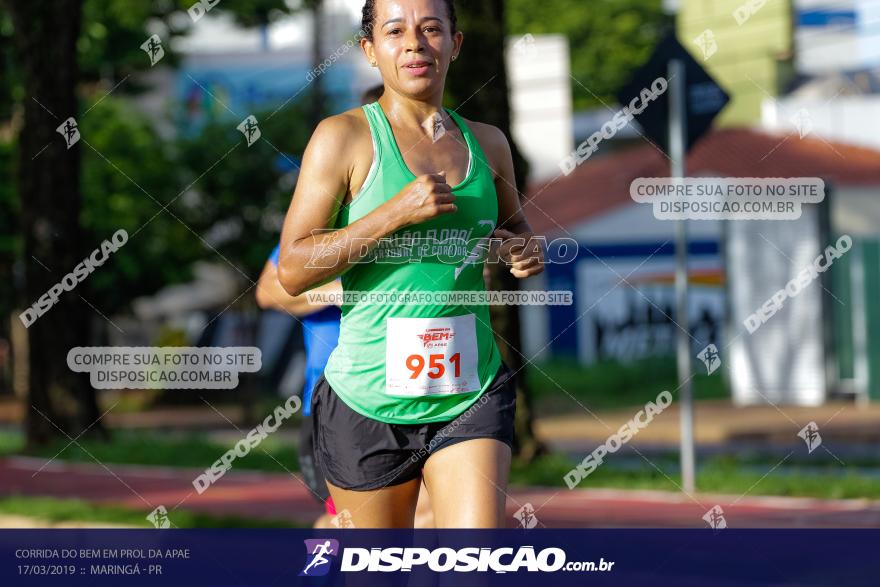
(467, 483)
(390, 507)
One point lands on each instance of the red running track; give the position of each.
(274, 496)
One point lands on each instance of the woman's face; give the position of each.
(412, 45)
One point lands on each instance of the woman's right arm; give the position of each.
(271, 296)
(310, 253)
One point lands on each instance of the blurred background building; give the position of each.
(163, 158)
(803, 79)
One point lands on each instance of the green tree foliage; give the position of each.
(113, 30)
(160, 249)
(69, 200)
(9, 79)
(248, 190)
(225, 200)
(607, 39)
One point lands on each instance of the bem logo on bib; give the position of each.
(434, 338)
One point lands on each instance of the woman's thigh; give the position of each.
(467, 482)
(388, 507)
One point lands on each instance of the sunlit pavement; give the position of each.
(274, 496)
(719, 421)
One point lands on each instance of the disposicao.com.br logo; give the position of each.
(442, 559)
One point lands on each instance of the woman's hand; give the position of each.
(522, 252)
(426, 197)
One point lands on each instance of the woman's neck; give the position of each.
(411, 113)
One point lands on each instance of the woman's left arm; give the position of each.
(519, 248)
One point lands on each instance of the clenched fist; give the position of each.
(426, 197)
(522, 252)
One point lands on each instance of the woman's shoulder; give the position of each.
(344, 126)
(492, 140)
(341, 141)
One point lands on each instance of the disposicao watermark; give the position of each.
(334, 57)
(448, 246)
(747, 10)
(710, 358)
(526, 516)
(250, 128)
(715, 518)
(159, 518)
(810, 435)
(623, 435)
(200, 8)
(164, 367)
(154, 50)
(444, 432)
(727, 198)
(244, 446)
(707, 43)
(623, 117)
(98, 257)
(444, 297)
(69, 130)
(796, 284)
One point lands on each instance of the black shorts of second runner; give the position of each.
(311, 473)
(359, 453)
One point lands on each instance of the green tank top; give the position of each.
(408, 364)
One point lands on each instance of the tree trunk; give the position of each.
(45, 37)
(317, 93)
(478, 83)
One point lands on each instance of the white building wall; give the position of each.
(846, 119)
(636, 223)
(838, 44)
(538, 70)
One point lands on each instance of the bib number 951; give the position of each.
(436, 367)
(429, 356)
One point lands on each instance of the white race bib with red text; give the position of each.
(431, 356)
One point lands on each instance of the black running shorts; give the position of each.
(311, 473)
(359, 453)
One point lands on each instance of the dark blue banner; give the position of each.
(477, 557)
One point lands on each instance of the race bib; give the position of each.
(431, 356)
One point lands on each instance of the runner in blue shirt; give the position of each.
(320, 326)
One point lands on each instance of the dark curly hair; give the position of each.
(369, 16)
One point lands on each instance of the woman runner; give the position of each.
(412, 392)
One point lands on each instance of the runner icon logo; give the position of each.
(710, 358)
(250, 128)
(320, 553)
(707, 43)
(810, 435)
(153, 48)
(70, 131)
(526, 516)
(343, 520)
(434, 127)
(802, 122)
(715, 518)
(159, 518)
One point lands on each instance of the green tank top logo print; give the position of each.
(407, 364)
